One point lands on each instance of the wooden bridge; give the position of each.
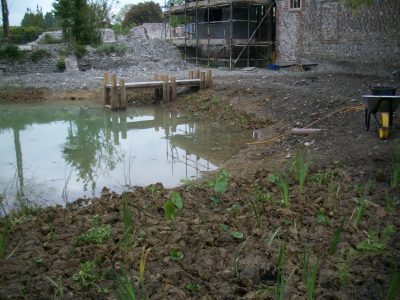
(165, 87)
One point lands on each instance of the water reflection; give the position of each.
(55, 153)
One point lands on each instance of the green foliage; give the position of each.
(11, 52)
(322, 218)
(336, 238)
(172, 205)
(300, 169)
(359, 210)
(61, 63)
(281, 282)
(143, 12)
(371, 243)
(98, 234)
(256, 208)
(125, 286)
(79, 50)
(175, 255)
(108, 49)
(356, 4)
(48, 39)
(3, 243)
(281, 180)
(193, 288)
(309, 276)
(58, 286)
(87, 274)
(22, 35)
(128, 227)
(395, 168)
(237, 235)
(39, 54)
(81, 20)
(393, 290)
(221, 183)
(35, 19)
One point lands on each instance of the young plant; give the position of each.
(221, 183)
(52, 232)
(371, 243)
(256, 208)
(393, 290)
(395, 169)
(300, 169)
(142, 266)
(359, 210)
(125, 286)
(98, 234)
(175, 255)
(322, 218)
(172, 205)
(193, 288)
(281, 180)
(281, 282)
(309, 276)
(87, 274)
(3, 238)
(336, 238)
(59, 290)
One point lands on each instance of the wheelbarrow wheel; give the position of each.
(384, 128)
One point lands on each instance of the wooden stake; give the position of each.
(123, 102)
(202, 80)
(305, 131)
(191, 74)
(157, 91)
(166, 89)
(173, 89)
(209, 79)
(197, 74)
(106, 91)
(114, 93)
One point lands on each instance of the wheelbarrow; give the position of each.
(381, 104)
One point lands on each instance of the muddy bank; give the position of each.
(227, 244)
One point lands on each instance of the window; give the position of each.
(294, 4)
(215, 15)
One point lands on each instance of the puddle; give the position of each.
(51, 154)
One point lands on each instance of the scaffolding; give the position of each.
(230, 33)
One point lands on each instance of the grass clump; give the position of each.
(300, 170)
(281, 281)
(281, 180)
(48, 39)
(395, 169)
(310, 276)
(336, 239)
(108, 49)
(11, 52)
(61, 63)
(3, 243)
(125, 286)
(128, 227)
(39, 54)
(87, 274)
(98, 234)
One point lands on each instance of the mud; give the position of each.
(350, 168)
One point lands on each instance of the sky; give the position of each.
(17, 8)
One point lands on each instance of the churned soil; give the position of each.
(345, 218)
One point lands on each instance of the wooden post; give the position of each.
(166, 89)
(202, 80)
(191, 74)
(122, 87)
(114, 93)
(173, 89)
(157, 91)
(209, 79)
(106, 91)
(197, 74)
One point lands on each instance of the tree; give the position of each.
(147, 12)
(32, 19)
(6, 23)
(50, 21)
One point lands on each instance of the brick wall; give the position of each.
(326, 32)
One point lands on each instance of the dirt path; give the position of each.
(227, 244)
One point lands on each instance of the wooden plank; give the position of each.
(202, 80)
(173, 88)
(106, 92)
(197, 73)
(166, 89)
(191, 74)
(209, 79)
(159, 84)
(114, 93)
(157, 91)
(123, 102)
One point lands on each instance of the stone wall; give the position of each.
(326, 32)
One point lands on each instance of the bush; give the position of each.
(48, 39)
(79, 50)
(22, 35)
(39, 54)
(61, 63)
(11, 52)
(107, 49)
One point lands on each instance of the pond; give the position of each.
(55, 153)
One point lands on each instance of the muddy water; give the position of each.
(52, 154)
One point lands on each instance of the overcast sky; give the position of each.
(17, 8)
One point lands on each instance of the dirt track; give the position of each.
(351, 168)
